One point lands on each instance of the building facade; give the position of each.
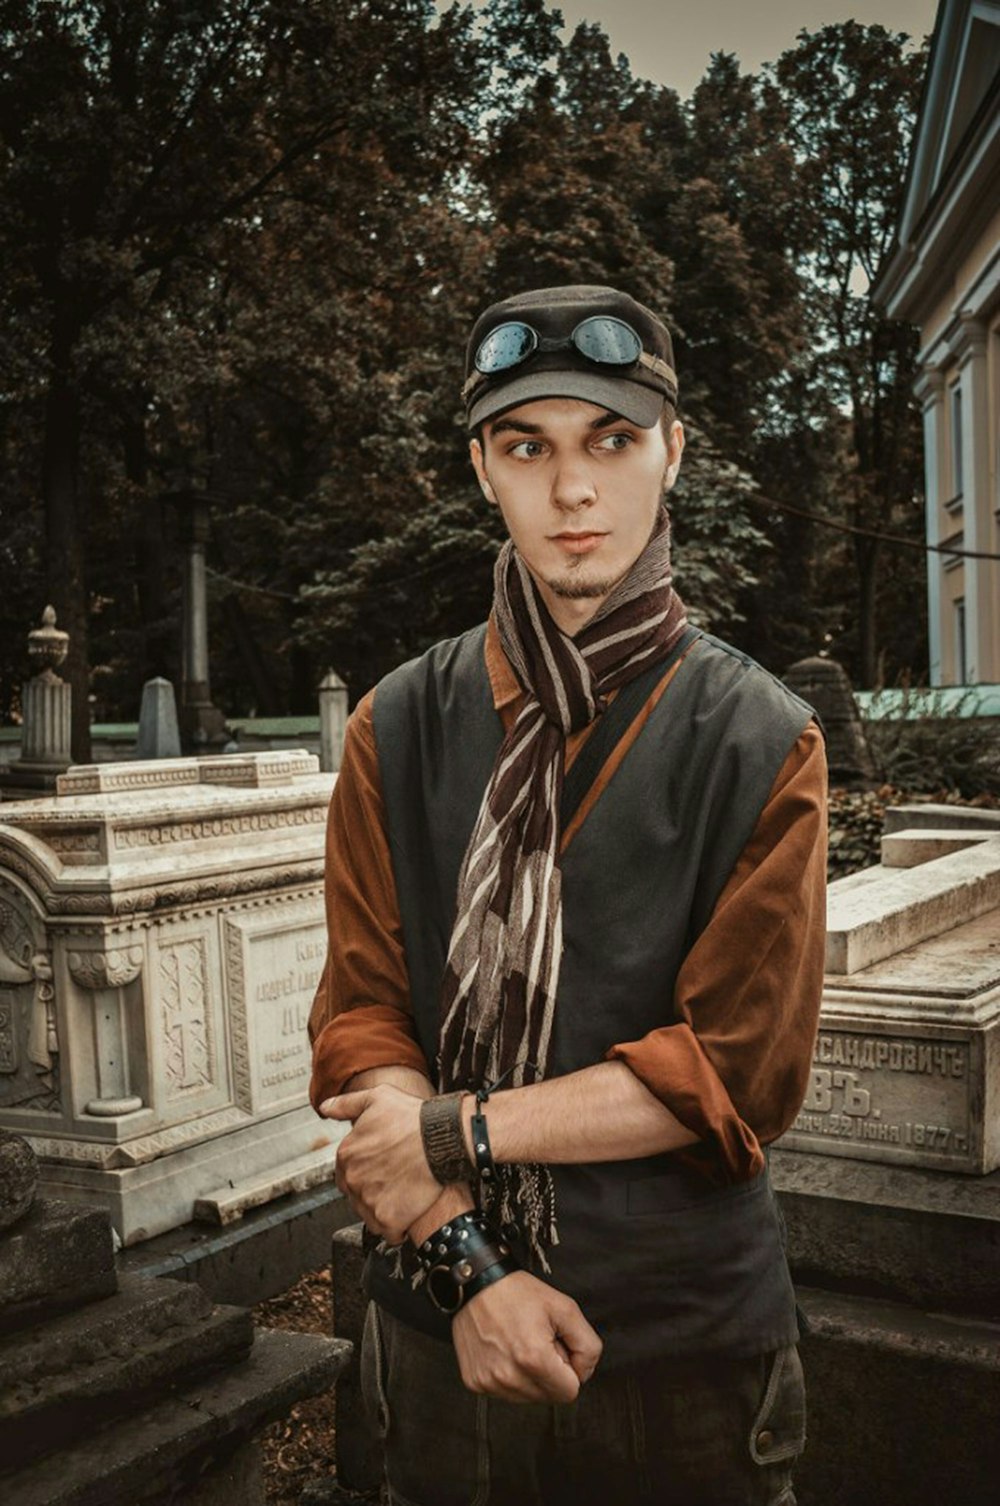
(943, 275)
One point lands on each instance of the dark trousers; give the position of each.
(711, 1433)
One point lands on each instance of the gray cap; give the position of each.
(637, 391)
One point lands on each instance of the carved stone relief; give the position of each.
(29, 1042)
(186, 1016)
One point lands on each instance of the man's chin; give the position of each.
(572, 588)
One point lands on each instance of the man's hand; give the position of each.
(381, 1165)
(522, 1340)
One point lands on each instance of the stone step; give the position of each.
(902, 1405)
(907, 1233)
(903, 906)
(170, 1452)
(229, 1203)
(58, 1256)
(66, 1377)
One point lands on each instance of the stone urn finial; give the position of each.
(48, 645)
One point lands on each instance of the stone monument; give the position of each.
(332, 721)
(825, 685)
(46, 706)
(203, 726)
(159, 735)
(907, 1061)
(129, 1391)
(161, 938)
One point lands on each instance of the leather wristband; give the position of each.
(461, 1258)
(443, 1138)
(485, 1164)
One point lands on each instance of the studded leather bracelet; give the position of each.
(444, 1140)
(462, 1258)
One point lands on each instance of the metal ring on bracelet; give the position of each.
(449, 1288)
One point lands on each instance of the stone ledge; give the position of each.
(926, 1237)
(59, 1256)
(902, 1406)
(158, 1455)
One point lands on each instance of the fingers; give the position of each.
(579, 1341)
(346, 1105)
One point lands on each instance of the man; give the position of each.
(575, 887)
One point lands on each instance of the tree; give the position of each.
(149, 152)
(851, 95)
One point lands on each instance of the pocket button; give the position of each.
(765, 1440)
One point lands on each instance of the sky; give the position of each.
(669, 42)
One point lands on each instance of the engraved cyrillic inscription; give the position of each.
(907, 1095)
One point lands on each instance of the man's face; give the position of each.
(579, 489)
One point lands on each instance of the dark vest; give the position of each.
(662, 1262)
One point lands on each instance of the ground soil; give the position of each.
(298, 1451)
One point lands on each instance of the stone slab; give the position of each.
(910, 848)
(902, 1405)
(226, 1205)
(58, 1256)
(161, 1454)
(160, 1194)
(940, 817)
(898, 908)
(261, 1255)
(64, 1378)
(930, 1238)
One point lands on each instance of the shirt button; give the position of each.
(765, 1440)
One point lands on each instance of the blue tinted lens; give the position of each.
(507, 345)
(607, 340)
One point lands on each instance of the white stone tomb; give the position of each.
(161, 938)
(907, 1061)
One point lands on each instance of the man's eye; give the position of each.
(617, 441)
(526, 449)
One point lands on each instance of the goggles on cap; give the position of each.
(602, 339)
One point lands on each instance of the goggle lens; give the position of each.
(601, 338)
(609, 341)
(507, 345)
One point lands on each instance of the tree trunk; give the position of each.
(160, 650)
(866, 556)
(65, 553)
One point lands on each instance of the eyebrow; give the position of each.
(521, 426)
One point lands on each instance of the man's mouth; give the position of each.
(579, 543)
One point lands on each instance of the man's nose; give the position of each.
(573, 485)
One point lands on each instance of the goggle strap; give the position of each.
(652, 363)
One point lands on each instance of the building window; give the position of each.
(956, 440)
(961, 662)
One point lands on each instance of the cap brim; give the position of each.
(640, 404)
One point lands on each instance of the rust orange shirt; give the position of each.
(734, 1063)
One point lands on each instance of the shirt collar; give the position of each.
(504, 684)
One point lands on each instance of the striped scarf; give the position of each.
(502, 973)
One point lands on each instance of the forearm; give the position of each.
(601, 1113)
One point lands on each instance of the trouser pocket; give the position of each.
(778, 1431)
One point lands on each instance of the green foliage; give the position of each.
(241, 243)
(953, 752)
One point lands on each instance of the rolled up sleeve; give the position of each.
(361, 1016)
(734, 1067)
